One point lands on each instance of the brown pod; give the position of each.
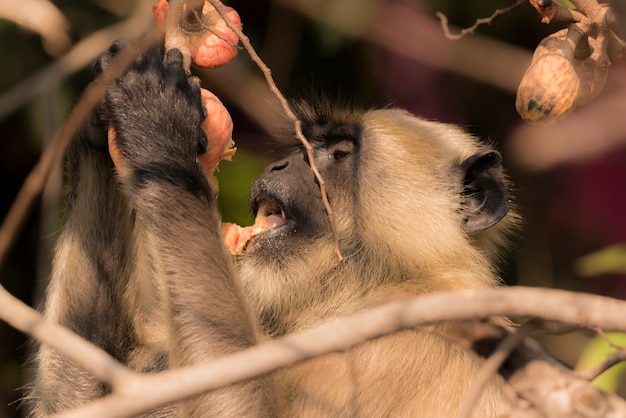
(557, 82)
(592, 74)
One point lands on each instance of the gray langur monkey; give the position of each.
(141, 270)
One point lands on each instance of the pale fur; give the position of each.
(406, 241)
(411, 243)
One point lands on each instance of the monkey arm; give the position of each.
(92, 264)
(156, 114)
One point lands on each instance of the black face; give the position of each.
(288, 194)
(287, 189)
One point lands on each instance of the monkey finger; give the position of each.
(173, 57)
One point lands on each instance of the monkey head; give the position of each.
(413, 201)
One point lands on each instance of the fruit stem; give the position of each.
(174, 36)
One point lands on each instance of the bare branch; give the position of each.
(150, 391)
(81, 55)
(600, 368)
(477, 57)
(595, 371)
(92, 358)
(539, 385)
(482, 21)
(290, 114)
(36, 179)
(42, 17)
(492, 364)
(174, 32)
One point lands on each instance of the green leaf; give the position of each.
(609, 260)
(567, 3)
(598, 350)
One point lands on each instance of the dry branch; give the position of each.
(149, 391)
(539, 386)
(396, 27)
(36, 178)
(482, 21)
(42, 17)
(504, 349)
(595, 371)
(81, 55)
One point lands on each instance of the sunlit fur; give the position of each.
(402, 233)
(140, 269)
(401, 236)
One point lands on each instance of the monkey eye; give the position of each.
(341, 149)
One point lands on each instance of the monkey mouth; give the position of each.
(269, 216)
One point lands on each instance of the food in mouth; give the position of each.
(269, 215)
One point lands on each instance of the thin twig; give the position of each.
(482, 21)
(490, 368)
(42, 17)
(175, 31)
(200, 21)
(81, 55)
(605, 338)
(290, 114)
(596, 370)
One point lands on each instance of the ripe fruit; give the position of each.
(213, 46)
(558, 79)
(218, 127)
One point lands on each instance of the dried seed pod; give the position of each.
(557, 81)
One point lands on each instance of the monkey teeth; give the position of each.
(269, 215)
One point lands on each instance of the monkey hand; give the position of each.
(154, 111)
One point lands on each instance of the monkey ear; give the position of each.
(485, 200)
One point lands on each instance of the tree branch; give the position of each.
(150, 391)
(42, 17)
(91, 97)
(597, 370)
(491, 366)
(482, 21)
(81, 55)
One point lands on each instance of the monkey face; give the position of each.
(288, 193)
(288, 196)
(408, 196)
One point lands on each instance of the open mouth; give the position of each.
(269, 215)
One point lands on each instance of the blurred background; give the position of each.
(569, 177)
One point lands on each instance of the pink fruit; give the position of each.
(218, 127)
(215, 44)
